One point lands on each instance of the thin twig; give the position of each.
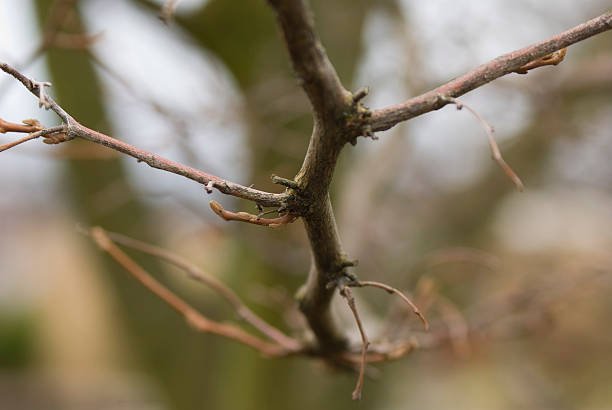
(497, 156)
(250, 218)
(350, 300)
(38, 134)
(193, 317)
(195, 273)
(391, 289)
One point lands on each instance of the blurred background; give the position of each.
(517, 284)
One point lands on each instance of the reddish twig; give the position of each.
(350, 300)
(49, 133)
(386, 118)
(195, 273)
(250, 218)
(30, 125)
(391, 289)
(378, 353)
(492, 143)
(193, 317)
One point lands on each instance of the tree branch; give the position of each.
(75, 129)
(386, 118)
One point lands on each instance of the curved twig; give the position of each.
(391, 289)
(497, 156)
(193, 317)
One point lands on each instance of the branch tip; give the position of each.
(282, 220)
(489, 130)
(391, 289)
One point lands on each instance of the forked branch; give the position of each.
(192, 316)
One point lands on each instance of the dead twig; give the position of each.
(492, 143)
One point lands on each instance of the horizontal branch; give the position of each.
(75, 129)
(386, 118)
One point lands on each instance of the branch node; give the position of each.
(43, 101)
(209, 187)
